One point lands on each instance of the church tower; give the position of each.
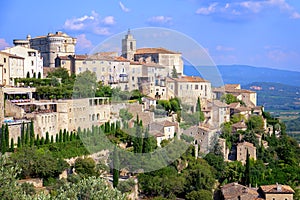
(128, 46)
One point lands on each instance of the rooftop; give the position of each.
(155, 50)
(277, 189)
(194, 79)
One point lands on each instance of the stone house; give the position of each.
(33, 62)
(203, 136)
(235, 191)
(11, 67)
(242, 149)
(164, 130)
(276, 192)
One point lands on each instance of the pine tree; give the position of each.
(52, 139)
(56, 138)
(116, 166)
(37, 141)
(65, 135)
(42, 141)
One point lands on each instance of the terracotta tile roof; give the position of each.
(242, 109)
(234, 105)
(232, 86)
(190, 79)
(276, 189)
(159, 50)
(220, 104)
(234, 190)
(239, 125)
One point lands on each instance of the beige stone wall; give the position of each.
(241, 151)
(1, 106)
(4, 69)
(279, 196)
(13, 111)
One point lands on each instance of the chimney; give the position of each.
(278, 187)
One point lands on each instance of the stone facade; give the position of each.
(33, 62)
(11, 67)
(53, 45)
(128, 46)
(1, 107)
(203, 136)
(164, 130)
(242, 149)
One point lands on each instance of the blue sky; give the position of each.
(262, 33)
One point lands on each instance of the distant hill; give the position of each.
(244, 74)
(276, 96)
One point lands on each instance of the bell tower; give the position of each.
(128, 46)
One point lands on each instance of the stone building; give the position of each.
(235, 191)
(161, 56)
(33, 62)
(188, 89)
(203, 136)
(11, 67)
(247, 96)
(50, 46)
(1, 107)
(128, 46)
(164, 130)
(276, 192)
(242, 149)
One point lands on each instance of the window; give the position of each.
(132, 78)
(4, 60)
(196, 87)
(4, 71)
(32, 63)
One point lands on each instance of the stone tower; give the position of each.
(128, 46)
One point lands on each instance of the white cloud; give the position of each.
(92, 23)
(83, 42)
(160, 20)
(223, 48)
(123, 7)
(3, 43)
(247, 9)
(208, 10)
(109, 20)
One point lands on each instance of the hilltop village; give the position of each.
(50, 95)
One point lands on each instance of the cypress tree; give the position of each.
(198, 109)
(37, 141)
(31, 133)
(116, 166)
(12, 145)
(23, 134)
(56, 138)
(6, 136)
(65, 135)
(247, 170)
(47, 141)
(52, 139)
(3, 143)
(147, 146)
(68, 136)
(138, 140)
(60, 139)
(27, 135)
(19, 142)
(42, 141)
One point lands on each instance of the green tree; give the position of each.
(229, 98)
(116, 166)
(138, 140)
(255, 123)
(246, 178)
(6, 136)
(85, 85)
(12, 145)
(86, 167)
(39, 75)
(3, 142)
(198, 109)
(47, 141)
(174, 72)
(28, 75)
(199, 195)
(149, 142)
